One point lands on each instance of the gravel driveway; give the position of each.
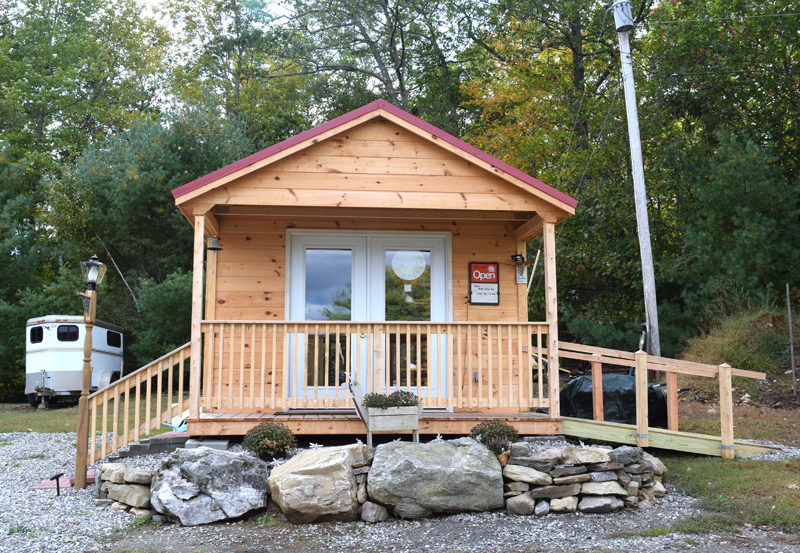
(37, 520)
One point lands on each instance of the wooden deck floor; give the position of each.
(346, 422)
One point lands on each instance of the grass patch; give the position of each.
(64, 418)
(706, 524)
(752, 422)
(762, 493)
(648, 533)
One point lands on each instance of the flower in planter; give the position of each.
(395, 399)
(497, 436)
(269, 438)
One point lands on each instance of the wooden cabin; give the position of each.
(377, 248)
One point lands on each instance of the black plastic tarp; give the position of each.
(619, 400)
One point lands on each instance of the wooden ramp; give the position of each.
(658, 437)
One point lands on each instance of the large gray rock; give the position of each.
(318, 485)
(416, 480)
(627, 455)
(203, 485)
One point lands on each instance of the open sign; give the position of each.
(484, 283)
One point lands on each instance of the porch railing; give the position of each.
(138, 403)
(258, 366)
(642, 363)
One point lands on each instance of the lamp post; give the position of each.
(93, 273)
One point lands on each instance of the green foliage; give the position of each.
(399, 398)
(746, 334)
(496, 435)
(166, 309)
(269, 438)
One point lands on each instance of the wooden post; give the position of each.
(82, 447)
(597, 388)
(672, 401)
(551, 310)
(642, 415)
(197, 317)
(726, 411)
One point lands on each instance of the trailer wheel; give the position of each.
(34, 400)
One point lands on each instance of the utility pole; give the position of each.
(624, 22)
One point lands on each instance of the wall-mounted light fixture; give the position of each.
(518, 258)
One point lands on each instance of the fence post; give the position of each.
(597, 388)
(672, 400)
(642, 433)
(726, 411)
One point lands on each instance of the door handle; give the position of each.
(363, 335)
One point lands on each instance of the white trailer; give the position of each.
(54, 356)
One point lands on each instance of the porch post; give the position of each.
(197, 317)
(551, 310)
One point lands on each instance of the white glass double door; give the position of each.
(367, 278)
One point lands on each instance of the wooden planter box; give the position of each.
(392, 419)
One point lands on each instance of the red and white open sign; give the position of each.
(483, 272)
(484, 283)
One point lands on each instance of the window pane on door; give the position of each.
(408, 285)
(328, 282)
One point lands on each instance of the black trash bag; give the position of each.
(619, 400)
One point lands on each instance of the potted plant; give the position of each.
(497, 436)
(394, 412)
(269, 440)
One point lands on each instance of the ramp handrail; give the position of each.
(158, 408)
(672, 367)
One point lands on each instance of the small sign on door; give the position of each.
(484, 283)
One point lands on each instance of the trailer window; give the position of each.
(67, 333)
(37, 334)
(114, 339)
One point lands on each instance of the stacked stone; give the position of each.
(125, 489)
(370, 511)
(590, 480)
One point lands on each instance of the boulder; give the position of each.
(657, 489)
(583, 456)
(519, 473)
(542, 508)
(133, 495)
(372, 512)
(416, 480)
(627, 455)
(564, 504)
(600, 504)
(522, 504)
(318, 485)
(520, 449)
(603, 488)
(658, 467)
(204, 485)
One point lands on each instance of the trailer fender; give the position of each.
(107, 378)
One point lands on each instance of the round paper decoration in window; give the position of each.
(408, 265)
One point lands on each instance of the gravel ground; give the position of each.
(37, 520)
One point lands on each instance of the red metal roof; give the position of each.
(346, 118)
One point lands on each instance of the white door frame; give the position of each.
(374, 243)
